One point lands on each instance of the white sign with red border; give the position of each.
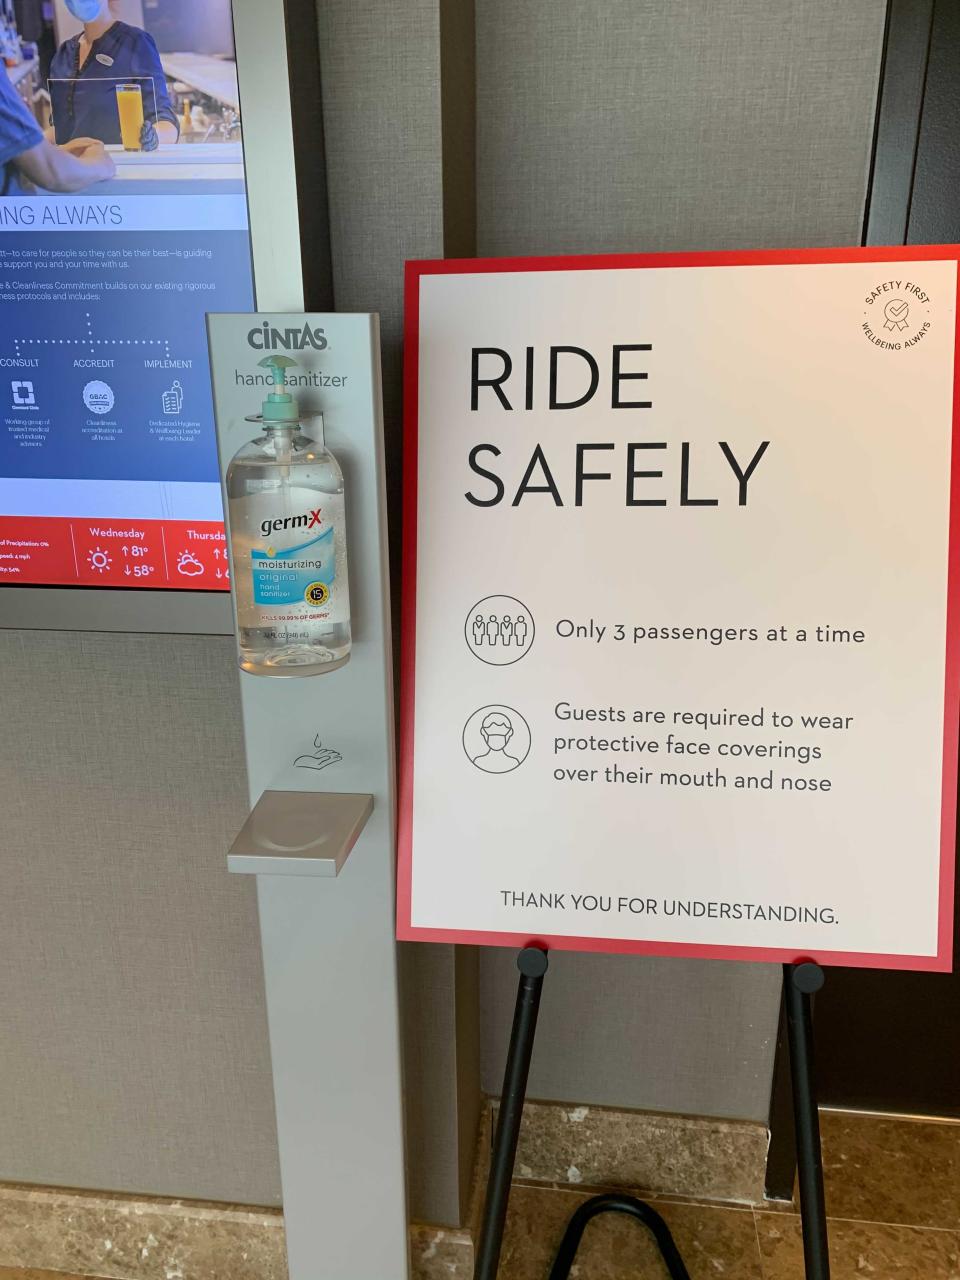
(680, 608)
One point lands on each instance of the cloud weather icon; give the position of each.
(189, 565)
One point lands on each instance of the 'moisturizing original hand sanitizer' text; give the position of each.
(297, 564)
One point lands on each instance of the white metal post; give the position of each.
(328, 943)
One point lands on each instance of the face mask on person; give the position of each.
(84, 10)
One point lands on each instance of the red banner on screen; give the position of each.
(70, 551)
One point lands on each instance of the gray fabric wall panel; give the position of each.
(635, 125)
(381, 66)
(638, 125)
(623, 1031)
(134, 1050)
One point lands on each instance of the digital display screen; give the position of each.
(108, 460)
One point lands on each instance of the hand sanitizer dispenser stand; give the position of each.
(320, 756)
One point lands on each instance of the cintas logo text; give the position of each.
(267, 337)
(308, 521)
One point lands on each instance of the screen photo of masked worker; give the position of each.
(143, 94)
(29, 160)
(107, 82)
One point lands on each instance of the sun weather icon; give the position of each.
(99, 559)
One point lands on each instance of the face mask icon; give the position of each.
(496, 739)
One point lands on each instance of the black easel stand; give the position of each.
(567, 1252)
(800, 983)
(532, 963)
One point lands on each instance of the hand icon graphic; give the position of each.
(320, 758)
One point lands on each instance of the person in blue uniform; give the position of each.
(87, 68)
(29, 160)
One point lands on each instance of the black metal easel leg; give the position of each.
(567, 1252)
(800, 983)
(532, 963)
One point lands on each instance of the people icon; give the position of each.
(496, 730)
(499, 630)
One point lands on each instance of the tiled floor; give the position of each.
(7, 1274)
(893, 1198)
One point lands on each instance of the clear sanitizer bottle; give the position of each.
(288, 538)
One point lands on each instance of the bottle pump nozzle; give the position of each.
(279, 405)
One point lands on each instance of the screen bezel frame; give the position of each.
(272, 202)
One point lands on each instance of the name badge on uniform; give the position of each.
(105, 59)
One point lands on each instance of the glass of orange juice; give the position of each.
(130, 107)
